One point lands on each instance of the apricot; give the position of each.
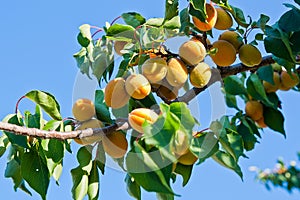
(254, 110)
(115, 95)
(272, 87)
(119, 46)
(224, 20)
(115, 144)
(154, 69)
(261, 123)
(137, 86)
(83, 109)
(192, 52)
(225, 54)
(180, 145)
(233, 38)
(167, 91)
(177, 72)
(137, 117)
(288, 81)
(188, 158)
(210, 20)
(200, 75)
(249, 55)
(92, 123)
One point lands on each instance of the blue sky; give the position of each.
(38, 39)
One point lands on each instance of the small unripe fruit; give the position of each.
(270, 87)
(254, 110)
(225, 55)
(200, 75)
(154, 69)
(192, 52)
(177, 73)
(83, 109)
(224, 20)
(288, 81)
(119, 46)
(181, 143)
(210, 20)
(249, 55)
(115, 95)
(115, 144)
(137, 117)
(188, 158)
(137, 86)
(92, 123)
(233, 38)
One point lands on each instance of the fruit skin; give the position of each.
(177, 73)
(188, 158)
(233, 38)
(180, 145)
(115, 95)
(83, 109)
(154, 69)
(249, 55)
(225, 55)
(261, 123)
(137, 86)
(118, 46)
(192, 52)
(254, 110)
(224, 20)
(115, 144)
(137, 117)
(167, 91)
(210, 20)
(200, 75)
(92, 123)
(270, 87)
(288, 81)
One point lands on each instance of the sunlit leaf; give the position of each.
(133, 188)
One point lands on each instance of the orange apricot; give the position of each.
(233, 38)
(192, 52)
(254, 109)
(154, 69)
(210, 20)
(177, 73)
(115, 95)
(137, 86)
(92, 123)
(137, 117)
(83, 109)
(249, 55)
(225, 55)
(200, 75)
(224, 20)
(115, 144)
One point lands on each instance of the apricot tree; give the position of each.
(140, 115)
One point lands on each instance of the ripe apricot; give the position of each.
(115, 144)
(272, 87)
(233, 38)
(200, 75)
(137, 86)
(180, 145)
(225, 55)
(92, 123)
(154, 69)
(224, 20)
(254, 110)
(288, 81)
(177, 73)
(115, 95)
(210, 20)
(118, 46)
(192, 52)
(261, 123)
(83, 109)
(137, 117)
(249, 55)
(188, 158)
(167, 91)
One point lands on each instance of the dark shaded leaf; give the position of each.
(266, 73)
(133, 188)
(133, 19)
(290, 21)
(185, 171)
(234, 85)
(80, 183)
(94, 183)
(274, 120)
(171, 9)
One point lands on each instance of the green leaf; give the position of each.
(82, 61)
(156, 22)
(185, 171)
(261, 23)
(121, 31)
(80, 183)
(249, 139)
(185, 21)
(183, 113)
(133, 188)
(231, 101)
(133, 19)
(297, 1)
(295, 42)
(234, 85)
(100, 157)
(93, 185)
(171, 9)
(35, 172)
(4, 143)
(34, 121)
(57, 172)
(102, 110)
(289, 21)
(232, 143)
(84, 158)
(84, 37)
(162, 196)
(238, 15)
(197, 9)
(274, 120)
(173, 23)
(46, 101)
(266, 73)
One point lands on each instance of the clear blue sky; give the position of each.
(38, 39)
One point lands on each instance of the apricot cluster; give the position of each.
(254, 110)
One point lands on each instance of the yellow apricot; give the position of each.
(177, 73)
(224, 20)
(154, 69)
(192, 52)
(83, 109)
(254, 110)
(200, 75)
(288, 81)
(249, 55)
(137, 117)
(211, 19)
(92, 123)
(225, 54)
(115, 95)
(261, 123)
(188, 158)
(180, 145)
(270, 87)
(115, 144)
(118, 46)
(233, 38)
(137, 86)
